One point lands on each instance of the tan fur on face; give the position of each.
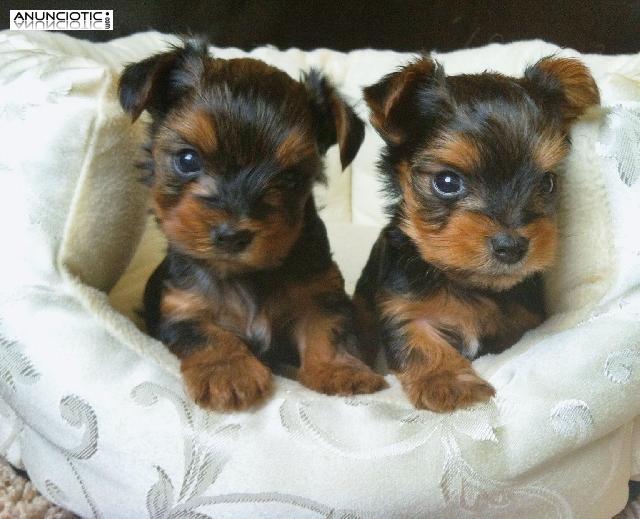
(549, 150)
(456, 151)
(461, 246)
(298, 145)
(187, 222)
(196, 127)
(543, 240)
(273, 241)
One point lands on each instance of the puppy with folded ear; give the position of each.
(235, 148)
(470, 167)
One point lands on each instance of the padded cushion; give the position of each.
(95, 410)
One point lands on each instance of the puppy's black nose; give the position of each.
(509, 249)
(229, 239)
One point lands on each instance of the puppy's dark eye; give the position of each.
(548, 182)
(188, 163)
(448, 184)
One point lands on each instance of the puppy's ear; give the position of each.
(157, 82)
(394, 99)
(334, 119)
(563, 86)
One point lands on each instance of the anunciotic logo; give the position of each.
(59, 20)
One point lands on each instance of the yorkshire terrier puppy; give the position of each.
(235, 148)
(469, 165)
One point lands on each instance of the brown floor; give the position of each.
(20, 500)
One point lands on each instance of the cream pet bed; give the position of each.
(94, 409)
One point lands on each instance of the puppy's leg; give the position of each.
(224, 374)
(218, 369)
(327, 342)
(326, 365)
(433, 373)
(367, 329)
(364, 301)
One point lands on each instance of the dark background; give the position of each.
(607, 26)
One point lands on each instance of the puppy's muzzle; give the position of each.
(227, 238)
(509, 249)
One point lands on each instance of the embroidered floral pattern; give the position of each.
(14, 366)
(468, 493)
(80, 415)
(572, 419)
(55, 493)
(306, 421)
(619, 141)
(204, 456)
(619, 365)
(77, 413)
(13, 427)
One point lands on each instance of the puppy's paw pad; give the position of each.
(448, 391)
(231, 385)
(337, 378)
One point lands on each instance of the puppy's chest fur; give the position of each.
(238, 305)
(473, 322)
(253, 307)
(416, 296)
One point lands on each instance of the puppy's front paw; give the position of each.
(342, 376)
(225, 384)
(447, 390)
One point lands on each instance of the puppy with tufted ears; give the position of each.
(470, 168)
(235, 148)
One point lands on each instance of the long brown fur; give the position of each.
(235, 149)
(470, 164)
